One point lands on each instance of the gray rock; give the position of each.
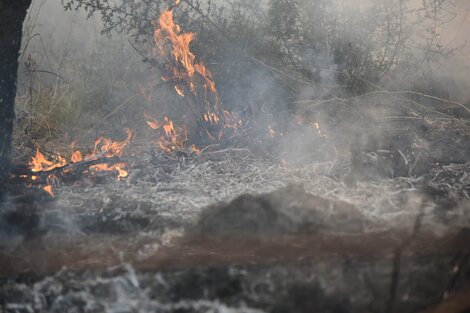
(288, 211)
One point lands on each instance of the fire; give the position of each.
(76, 157)
(195, 149)
(303, 121)
(211, 118)
(169, 127)
(174, 46)
(48, 189)
(39, 163)
(272, 132)
(172, 137)
(119, 167)
(105, 147)
(179, 91)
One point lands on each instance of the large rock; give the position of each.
(288, 211)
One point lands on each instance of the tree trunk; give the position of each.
(12, 15)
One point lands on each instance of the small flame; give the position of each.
(48, 189)
(179, 91)
(272, 132)
(119, 167)
(169, 127)
(77, 156)
(109, 148)
(172, 137)
(317, 127)
(211, 118)
(153, 123)
(195, 149)
(39, 163)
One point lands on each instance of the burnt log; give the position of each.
(80, 166)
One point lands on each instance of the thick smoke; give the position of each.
(106, 71)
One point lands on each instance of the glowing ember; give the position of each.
(195, 149)
(211, 118)
(172, 137)
(169, 127)
(179, 91)
(76, 157)
(153, 123)
(48, 189)
(105, 147)
(316, 126)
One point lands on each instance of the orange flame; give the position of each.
(195, 149)
(173, 44)
(48, 189)
(172, 137)
(108, 148)
(179, 91)
(39, 163)
(189, 76)
(153, 123)
(77, 156)
(103, 147)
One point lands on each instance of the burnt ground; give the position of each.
(237, 230)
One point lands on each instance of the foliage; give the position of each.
(309, 37)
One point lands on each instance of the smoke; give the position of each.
(310, 87)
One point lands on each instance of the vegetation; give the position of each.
(268, 58)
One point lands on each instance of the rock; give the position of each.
(288, 211)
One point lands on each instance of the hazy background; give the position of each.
(72, 78)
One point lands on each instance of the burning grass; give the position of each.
(182, 71)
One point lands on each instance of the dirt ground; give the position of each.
(233, 230)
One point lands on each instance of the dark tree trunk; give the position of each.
(12, 15)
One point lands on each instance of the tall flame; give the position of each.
(173, 44)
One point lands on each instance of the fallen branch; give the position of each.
(79, 166)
